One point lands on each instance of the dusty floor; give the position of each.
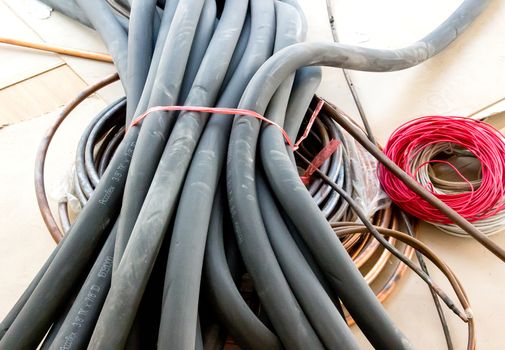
(464, 79)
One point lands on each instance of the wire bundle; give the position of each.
(182, 208)
(101, 138)
(373, 260)
(424, 143)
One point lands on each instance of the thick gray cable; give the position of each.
(200, 44)
(172, 52)
(185, 259)
(159, 50)
(168, 80)
(156, 128)
(244, 326)
(205, 170)
(112, 33)
(307, 80)
(140, 50)
(317, 305)
(78, 325)
(283, 309)
(288, 32)
(127, 221)
(243, 41)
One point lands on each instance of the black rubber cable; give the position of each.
(95, 153)
(85, 169)
(110, 150)
(79, 192)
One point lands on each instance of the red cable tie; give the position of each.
(235, 111)
(319, 159)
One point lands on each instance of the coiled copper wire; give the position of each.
(40, 158)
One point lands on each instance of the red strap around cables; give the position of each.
(323, 155)
(236, 111)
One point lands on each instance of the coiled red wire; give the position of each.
(482, 140)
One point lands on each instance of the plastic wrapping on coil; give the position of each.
(367, 190)
(63, 190)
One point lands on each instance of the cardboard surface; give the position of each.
(20, 63)
(39, 94)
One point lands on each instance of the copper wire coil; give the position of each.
(40, 159)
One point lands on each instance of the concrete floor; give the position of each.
(464, 79)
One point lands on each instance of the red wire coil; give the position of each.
(482, 140)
